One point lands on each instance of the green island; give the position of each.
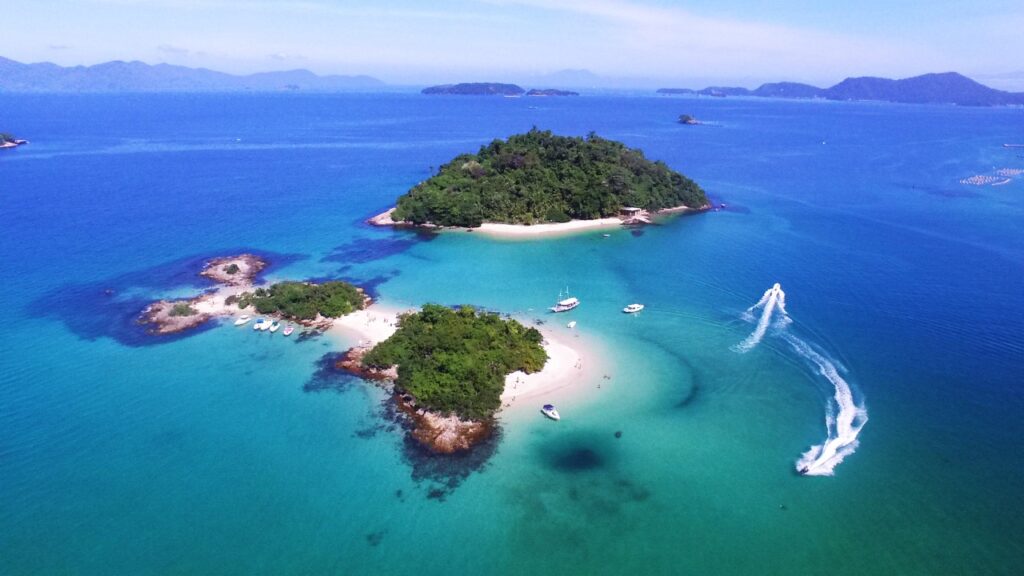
(455, 361)
(540, 177)
(304, 301)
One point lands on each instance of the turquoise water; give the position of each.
(227, 452)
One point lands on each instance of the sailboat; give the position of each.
(565, 304)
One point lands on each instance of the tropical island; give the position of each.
(9, 141)
(449, 369)
(539, 179)
(689, 120)
(311, 304)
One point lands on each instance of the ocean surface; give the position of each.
(887, 365)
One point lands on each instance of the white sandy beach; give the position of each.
(544, 230)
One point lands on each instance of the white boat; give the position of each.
(243, 319)
(274, 326)
(571, 324)
(564, 305)
(289, 329)
(261, 324)
(550, 411)
(633, 308)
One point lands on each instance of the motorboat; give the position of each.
(550, 411)
(571, 324)
(243, 319)
(633, 308)
(274, 326)
(261, 324)
(289, 329)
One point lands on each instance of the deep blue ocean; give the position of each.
(227, 452)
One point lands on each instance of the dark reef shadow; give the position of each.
(437, 474)
(94, 310)
(363, 250)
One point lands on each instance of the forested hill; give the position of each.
(540, 177)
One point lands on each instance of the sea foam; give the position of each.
(844, 415)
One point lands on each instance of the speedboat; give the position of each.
(289, 329)
(633, 308)
(244, 318)
(549, 411)
(274, 326)
(571, 324)
(261, 324)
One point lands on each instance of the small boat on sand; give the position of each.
(274, 326)
(633, 308)
(550, 411)
(289, 329)
(243, 319)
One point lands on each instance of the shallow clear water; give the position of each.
(231, 452)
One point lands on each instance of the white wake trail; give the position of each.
(774, 299)
(844, 417)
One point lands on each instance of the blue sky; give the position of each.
(650, 41)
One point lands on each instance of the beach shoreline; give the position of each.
(546, 230)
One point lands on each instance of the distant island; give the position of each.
(688, 120)
(551, 92)
(449, 369)
(9, 141)
(541, 179)
(476, 89)
(944, 88)
(121, 76)
(492, 89)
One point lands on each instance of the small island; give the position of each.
(311, 304)
(9, 141)
(540, 179)
(689, 120)
(551, 92)
(475, 89)
(449, 369)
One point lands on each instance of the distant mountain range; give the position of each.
(121, 76)
(945, 88)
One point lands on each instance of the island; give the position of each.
(942, 88)
(544, 182)
(475, 89)
(313, 305)
(449, 369)
(689, 120)
(551, 92)
(9, 141)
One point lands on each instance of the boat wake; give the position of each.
(844, 415)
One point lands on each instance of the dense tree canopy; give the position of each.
(302, 301)
(540, 177)
(457, 360)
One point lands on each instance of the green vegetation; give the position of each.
(302, 301)
(5, 138)
(182, 309)
(539, 177)
(231, 268)
(457, 360)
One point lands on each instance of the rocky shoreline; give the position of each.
(438, 433)
(233, 274)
